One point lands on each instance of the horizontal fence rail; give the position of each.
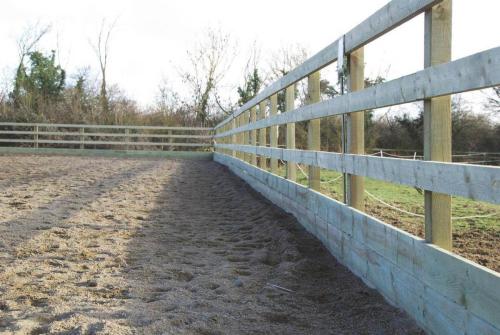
(248, 142)
(469, 181)
(475, 72)
(102, 136)
(387, 18)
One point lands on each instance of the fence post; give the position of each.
(36, 137)
(127, 138)
(170, 141)
(355, 129)
(291, 170)
(223, 140)
(273, 140)
(82, 138)
(437, 124)
(253, 134)
(246, 134)
(240, 135)
(313, 128)
(227, 139)
(233, 136)
(262, 134)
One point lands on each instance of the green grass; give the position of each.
(408, 199)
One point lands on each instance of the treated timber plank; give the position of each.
(107, 143)
(453, 283)
(262, 134)
(107, 153)
(36, 137)
(385, 19)
(95, 126)
(291, 170)
(233, 137)
(437, 124)
(355, 185)
(239, 136)
(273, 133)
(475, 182)
(82, 138)
(314, 128)
(77, 134)
(246, 134)
(475, 72)
(253, 134)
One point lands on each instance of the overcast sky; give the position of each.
(151, 37)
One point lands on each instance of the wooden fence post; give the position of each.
(82, 138)
(291, 170)
(246, 134)
(253, 134)
(233, 136)
(437, 124)
(262, 134)
(240, 136)
(237, 135)
(355, 128)
(127, 138)
(36, 137)
(170, 141)
(227, 139)
(313, 128)
(273, 140)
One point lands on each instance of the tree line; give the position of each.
(41, 92)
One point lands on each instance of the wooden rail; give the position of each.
(101, 136)
(436, 175)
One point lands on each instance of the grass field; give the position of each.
(477, 238)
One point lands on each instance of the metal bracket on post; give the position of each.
(342, 71)
(341, 63)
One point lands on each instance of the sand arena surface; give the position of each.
(144, 246)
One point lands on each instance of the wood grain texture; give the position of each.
(437, 123)
(314, 128)
(253, 134)
(246, 134)
(355, 185)
(475, 182)
(233, 136)
(291, 170)
(262, 133)
(273, 133)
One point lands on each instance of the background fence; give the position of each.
(78, 136)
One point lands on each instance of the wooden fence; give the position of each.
(130, 138)
(445, 293)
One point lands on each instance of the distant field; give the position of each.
(477, 239)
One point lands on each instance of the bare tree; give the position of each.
(283, 61)
(28, 40)
(101, 49)
(492, 104)
(209, 61)
(167, 99)
(26, 44)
